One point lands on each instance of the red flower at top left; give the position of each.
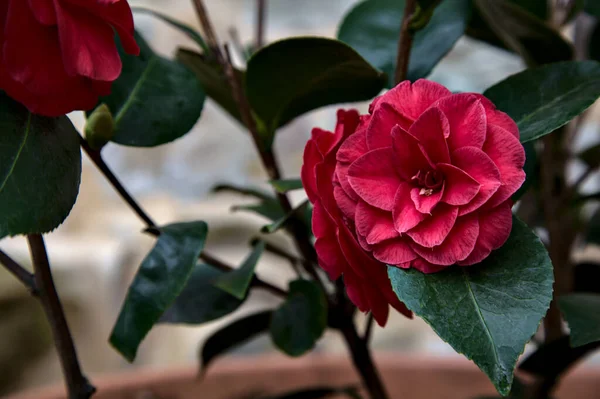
(58, 56)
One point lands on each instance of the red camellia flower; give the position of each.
(424, 181)
(58, 56)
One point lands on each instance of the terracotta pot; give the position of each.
(406, 377)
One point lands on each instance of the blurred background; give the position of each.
(97, 251)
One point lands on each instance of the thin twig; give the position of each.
(369, 328)
(77, 384)
(261, 12)
(96, 157)
(405, 42)
(209, 31)
(22, 274)
(293, 260)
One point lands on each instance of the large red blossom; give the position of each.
(424, 181)
(57, 56)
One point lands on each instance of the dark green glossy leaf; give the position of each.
(520, 31)
(200, 301)
(212, 79)
(317, 72)
(582, 312)
(552, 359)
(237, 282)
(284, 186)
(40, 170)
(154, 101)
(186, 29)
(234, 335)
(543, 99)
(373, 27)
(160, 279)
(488, 311)
(302, 212)
(301, 320)
(269, 209)
(531, 169)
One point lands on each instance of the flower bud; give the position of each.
(100, 127)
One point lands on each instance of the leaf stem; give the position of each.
(22, 274)
(77, 384)
(405, 42)
(369, 328)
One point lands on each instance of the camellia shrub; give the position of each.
(426, 205)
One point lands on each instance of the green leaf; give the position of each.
(543, 99)
(200, 301)
(302, 212)
(234, 335)
(40, 170)
(286, 185)
(582, 312)
(592, 235)
(317, 72)
(522, 32)
(186, 29)
(300, 321)
(210, 75)
(154, 101)
(488, 311)
(160, 279)
(373, 28)
(237, 282)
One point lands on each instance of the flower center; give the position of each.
(429, 181)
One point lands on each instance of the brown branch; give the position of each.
(405, 42)
(22, 274)
(369, 328)
(77, 384)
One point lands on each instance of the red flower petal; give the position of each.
(408, 156)
(384, 119)
(308, 174)
(425, 267)
(426, 203)
(373, 178)
(405, 215)
(456, 247)
(460, 188)
(44, 12)
(87, 44)
(431, 129)
(394, 252)
(374, 224)
(479, 166)
(411, 100)
(434, 230)
(467, 120)
(494, 229)
(346, 204)
(498, 118)
(509, 156)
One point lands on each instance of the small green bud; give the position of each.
(100, 127)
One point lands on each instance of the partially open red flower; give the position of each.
(57, 56)
(424, 181)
